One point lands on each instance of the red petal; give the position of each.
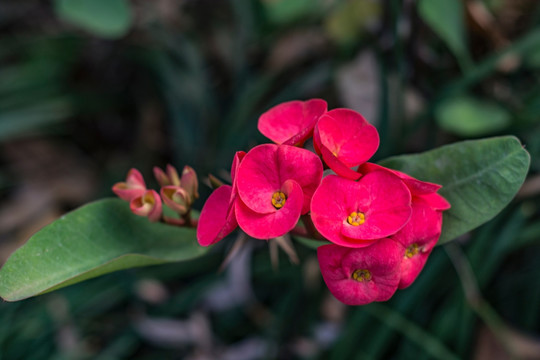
(217, 218)
(284, 122)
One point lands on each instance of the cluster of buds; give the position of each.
(382, 223)
(177, 192)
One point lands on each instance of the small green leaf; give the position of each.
(466, 116)
(285, 11)
(90, 241)
(445, 17)
(479, 178)
(351, 19)
(105, 18)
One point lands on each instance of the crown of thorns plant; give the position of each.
(382, 223)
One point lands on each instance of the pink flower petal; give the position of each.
(380, 196)
(347, 135)
(302, 166)
(258, 178)
(292, 121)
(266, 167)
(337, 166)
(276, 223)
(436, 201)
(238, 157)
(418, 238)
(126, 193)
(217, 218)
(382, 260)
(416, 186)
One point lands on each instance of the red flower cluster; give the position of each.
(383, 223)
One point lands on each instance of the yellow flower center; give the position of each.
(412, 250)
(361, 275)
(278, 199)
(356, 218)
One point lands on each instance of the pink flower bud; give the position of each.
(148, 204)
(169, 178)
(189, 182)
(133, 187)
(161, 177)
(176, 198)
(173, 175)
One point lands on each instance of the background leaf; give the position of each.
(466, 116)
(106, 18)
(93, 240)
(479, 178)
(445, 17)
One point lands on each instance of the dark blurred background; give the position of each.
(91, 88)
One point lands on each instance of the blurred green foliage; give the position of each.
(184, 82)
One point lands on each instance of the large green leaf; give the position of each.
(479, 178)
(96, 239)
(105, 18)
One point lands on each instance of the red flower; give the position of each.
(292, 122)
(418, 239)
(354, 214)
(361, 276)
(275, 185)
(345, 139)
(218, 218)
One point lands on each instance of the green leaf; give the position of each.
(93, 240)
(466, 116)
(105, 18)
(351, 19)
(285, 11)
(445, 17)
(479, 178)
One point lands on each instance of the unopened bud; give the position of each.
(161, 177)
(133, 187)
(176, 198)
(148, 204)
(173, 175)
(189, 182)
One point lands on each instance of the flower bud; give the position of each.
(169, 178)
(189, 182)
(148, 204)
(176, 198)
(173, 175)
(133, 187)
(161, 177)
